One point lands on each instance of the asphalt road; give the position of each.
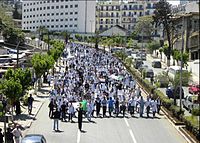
(107, 130)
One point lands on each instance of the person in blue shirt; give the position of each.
(110, 105)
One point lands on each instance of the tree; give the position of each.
(12, 89)
(16, 14)
(154, 45)
(144, 25)
(163, 16)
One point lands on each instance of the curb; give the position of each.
(186, 135)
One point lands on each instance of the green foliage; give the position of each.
(16, 14)
(176, 112)
(154, 45)
(25, 100)
(185, 79)
(12, 89)
(196, 111)
(192, 125)
(23, 76)
(144, 26)
(162, 79)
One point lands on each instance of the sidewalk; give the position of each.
(24, 119)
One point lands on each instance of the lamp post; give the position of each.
(182, 47)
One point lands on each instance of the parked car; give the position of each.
(191, 102)
(170, 92)
(34, 138)
(149, 73)
(194, 89)
(156, 64)
(138, 63)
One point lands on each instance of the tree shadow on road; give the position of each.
(23, 117)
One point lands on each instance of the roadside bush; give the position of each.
(196, 112)
(166, 102)
(25, 100)
(1, 109)
(192, 125)
(176, 112)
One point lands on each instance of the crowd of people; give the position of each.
(99, 82)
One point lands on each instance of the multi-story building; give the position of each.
(124, 14)
(59, 15)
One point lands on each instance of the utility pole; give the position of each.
(182, 47)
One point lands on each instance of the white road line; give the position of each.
(126, 122)
(78, 136)
(133, 137)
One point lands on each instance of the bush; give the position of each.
(176, 112)
(1, 109)
(25, 100)
(196, 112)
(192, 125)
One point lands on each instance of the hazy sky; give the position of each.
(174, 2)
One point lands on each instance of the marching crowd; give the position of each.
(99, 83)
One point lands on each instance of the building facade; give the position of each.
(59, 15)
(125, 14)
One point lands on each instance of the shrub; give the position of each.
(192, 125)
(25, 100)
(176, 112)
(196, 112)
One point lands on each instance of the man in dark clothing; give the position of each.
(98, 105)
(30, 104)
(63, 110)
(4, 103)
(9, 136)
(56, 117)
(117, 107)
(1, 136)
(51, 107)
(80, 117)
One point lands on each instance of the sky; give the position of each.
(174, 2)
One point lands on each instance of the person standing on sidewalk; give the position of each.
(98, 105)
(1, 136)
(104, 105)
(51, 108)
(17, 134)
(30, 104)
(9, 136)
(56, 117)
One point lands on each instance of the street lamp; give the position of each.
(182, 47)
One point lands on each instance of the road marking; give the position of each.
(126, 122)
(133, 137)
(78, 136)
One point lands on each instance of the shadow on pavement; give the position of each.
(23, 117)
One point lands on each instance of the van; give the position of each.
(174, 70)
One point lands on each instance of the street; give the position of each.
(107, 130)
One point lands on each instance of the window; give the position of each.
(57, 13)
(33, 15)
(52, 26)
(40, 14)
(52, 14)
(61, 6)
(75, 19)
(61, 13)
(52, 0)
(44, 14)
(24, 16)
(24, 4)
(61, 19)
(27, 16)
(52, 7)
(70, 19)
(57, 20)
(75, 25)
(30, 16)
(76, 5)
(66, 19)
(56, 26)
(48, 14)
(48, 7)
(47, 26)
(66, 25)
(37, 9)
(57, 7)
(70, 25)
(52, 20)
(66, 6)
(33, 9)
(57, 0)
(71, 13)
(44, 20)
(61, 26)
(47, 20)
(75, 12)
(24, 10)
(40, 8)
(71, 6)
(44, 8)
(66, 13)
(34, 3)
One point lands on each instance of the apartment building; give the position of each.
(59, 15)
(125, 14)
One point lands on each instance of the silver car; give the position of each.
(34, 138)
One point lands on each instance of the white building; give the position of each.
(59, 15)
